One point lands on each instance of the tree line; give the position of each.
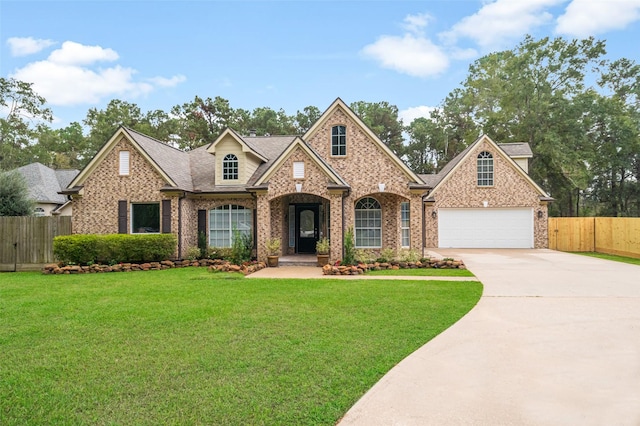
(579, 111)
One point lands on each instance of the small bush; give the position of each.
(349, 248)
(387, 255)
(222, 253)
(193, 253)
(83, 249)
(241, 246)
(407, 255)
(365, 255)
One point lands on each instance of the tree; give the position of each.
(25, 117)
(305, 119)
(422, 152)
(382, 119)
(14, 195)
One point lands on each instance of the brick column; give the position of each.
(263, 220)
(415, 220)
(336, 226)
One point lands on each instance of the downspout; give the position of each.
(424, 228)
(342, 236)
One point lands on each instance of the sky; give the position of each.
(280, 54)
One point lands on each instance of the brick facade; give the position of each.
(510, 189)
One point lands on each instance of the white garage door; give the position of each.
(485, 228)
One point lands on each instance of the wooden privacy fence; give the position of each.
(612, 235)
(26, 243)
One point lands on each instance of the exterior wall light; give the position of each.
(485, 203)
(381, 187)
(434, 214)
(298, 187)
(540, 214)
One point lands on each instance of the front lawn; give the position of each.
(185, 346)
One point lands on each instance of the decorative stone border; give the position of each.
(361, 268)
(213, 265)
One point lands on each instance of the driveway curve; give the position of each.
(554, 340)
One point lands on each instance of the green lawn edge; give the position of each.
(605, 256)
(423, 272)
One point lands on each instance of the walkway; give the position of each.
(316, 272)
(554, 340)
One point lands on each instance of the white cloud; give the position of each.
(499, 22)
(73, 53)
(416, 56)
(412, 53)
(168, 82)
(410, 114)
(23, 46)
(584, 18)
(69, 77)
(416, 24)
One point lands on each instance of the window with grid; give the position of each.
(230, 167)
(368, 223)
(404, 224)
(224, 220)
(485, 169)
(338, 140)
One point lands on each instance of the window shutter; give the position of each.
(124, 163)
(255, 228)
(298, 170)
(122, 217)
(202, 222)
(166, 216)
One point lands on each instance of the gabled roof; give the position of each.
(339, 103)
(517, 149)
(245, 146)
(171, 163)
(44, 183)
(298, 142)
(446, 172)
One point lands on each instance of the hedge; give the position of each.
(85, 249)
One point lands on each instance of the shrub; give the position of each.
(387, 255)
(349, 248)
(223, 253)
(273, 247)
(409, 255)
(323, 246)
(202, 244)
(365, 255)
(14, 195)
(113, 248)
(241, 246)
(193, 253)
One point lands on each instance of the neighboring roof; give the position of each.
(517, 149)
(44, 183)
(453, 164)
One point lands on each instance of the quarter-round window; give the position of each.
(485, 169)
(368, 223)
(230, 167)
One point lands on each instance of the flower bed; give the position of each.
(213, 265)
(361, 268)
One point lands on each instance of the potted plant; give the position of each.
(273, 252)
(322, 249)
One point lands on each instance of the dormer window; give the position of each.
(485, 169)
(339, 141)
(230, 167)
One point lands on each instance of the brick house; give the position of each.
(300, 188)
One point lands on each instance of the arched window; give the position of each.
(230, 167)
(368, 223)
(224, 220)
(38, 211)
(485, 169)
(339, 140)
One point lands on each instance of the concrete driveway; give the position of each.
(554, 340)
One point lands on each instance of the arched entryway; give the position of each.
(301, 220)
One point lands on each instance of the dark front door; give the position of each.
(306, 228)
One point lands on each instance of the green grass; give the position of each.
(185, 346)
(605, 256)
(423, 272)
